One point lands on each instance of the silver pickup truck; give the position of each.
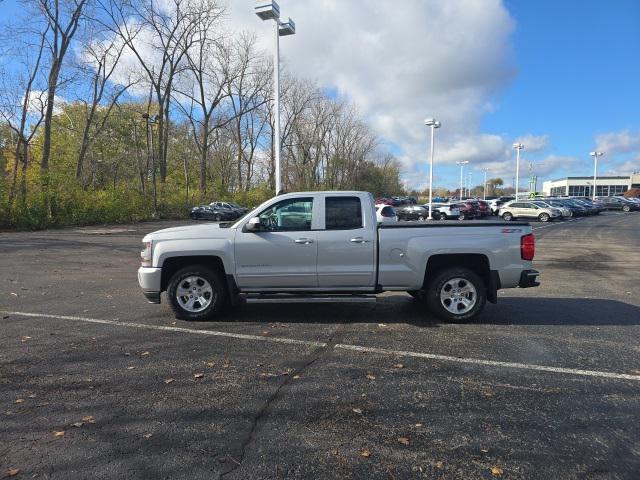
(328, 246)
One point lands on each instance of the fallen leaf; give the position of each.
(145, 354)
(33, 395)
(382, 324)
(484, 450)
(88, 419)
(14, 294)
(19, 400)
(403, 440)
(148, 435)
(371, 376)
(296, 377)
(418, 425)
(496, 471)
(12, 472)
(635, 372)
(333, 451)
(77, 424)
(173, 323)
(365, 453)
(226, 363)
(198, 375)
(210, 364)
(130, 368)
(439, 465)
(25, 338)
(58, 433)
(398, 365)
(168, 381)
(358, 411)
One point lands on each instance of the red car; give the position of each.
(467, 208)
(384, 201)
(484, 210)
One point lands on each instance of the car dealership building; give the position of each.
(583, 186)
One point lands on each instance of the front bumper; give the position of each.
(528, 279)
(150, 279)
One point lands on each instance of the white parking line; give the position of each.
(118, 323)
(491, 363)
(340, 346)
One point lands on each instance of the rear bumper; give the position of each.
(528, 279)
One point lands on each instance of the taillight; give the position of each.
(527, 246)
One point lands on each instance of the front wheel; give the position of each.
(626, 208)
(507, 217)
(196, 293)
(461, 216)
(443, 216)
(421, 218)
(456, 295)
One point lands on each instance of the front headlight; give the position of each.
(146, 255)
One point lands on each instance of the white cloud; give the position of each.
(626, 168)
(402, 64)
(534, 143)
(618, 142)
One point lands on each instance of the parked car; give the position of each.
(591, 209)
(384, 201)
(496, 203)
(385, 213)
(231, 206)
(618, 203)
(483, 209)
(568, 209)
(416, 212)
(448, 211)
(339, 248)
(530, 209)
(564, 210)
(207, 212)
(467, 209)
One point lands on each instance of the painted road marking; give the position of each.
(143, 326)
(340, 346)
(491, 363)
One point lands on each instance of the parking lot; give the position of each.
(96, 383)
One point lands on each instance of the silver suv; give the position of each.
(529, 209)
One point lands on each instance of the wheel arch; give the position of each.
(476, 262)
(172, 264)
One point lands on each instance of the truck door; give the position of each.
(283, 254)
(346, 245)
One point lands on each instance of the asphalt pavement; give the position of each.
(96, 383)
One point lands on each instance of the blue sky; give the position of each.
(561, 76)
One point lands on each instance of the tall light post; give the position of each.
(269, 10)
(433, 123)
(462, 163)
(595, 156)
(469, 183)
(484, 195)
(518, 147)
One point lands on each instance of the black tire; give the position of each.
(443, 216)
(544, 217)
(507, 216)
(421, 218)
(217, 217)
(194, 216)
(461, 217)
(626, 208)
(440, 281)
(218, 297)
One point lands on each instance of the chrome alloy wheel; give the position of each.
(458, 295)
(195, 294)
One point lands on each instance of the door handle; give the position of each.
(304, 241)
(358, 240)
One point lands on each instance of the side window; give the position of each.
(343, 213)
(288, 215)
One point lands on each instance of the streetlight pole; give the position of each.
(469, 183)
(462, 163)
(269, 10)
(484, 196)
(433, 123)
(518, 147)
(595, 156)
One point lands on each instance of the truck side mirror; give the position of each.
(254, 225)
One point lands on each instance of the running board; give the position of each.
(288, 298)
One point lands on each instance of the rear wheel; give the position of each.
(443, 216)
(217, 217)
(196, 293)
(456, 295)
(421, 218)
(626, 208)
(507, 217)
(544, 217)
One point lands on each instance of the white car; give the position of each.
(385, 213)
(447, 211)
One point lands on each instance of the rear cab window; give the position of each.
(343, 213)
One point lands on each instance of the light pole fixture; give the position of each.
(462, 163)
(518, 147)
(595, 156)
(269, 10)
(485, 170)
(433, 123)
(469, 174)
